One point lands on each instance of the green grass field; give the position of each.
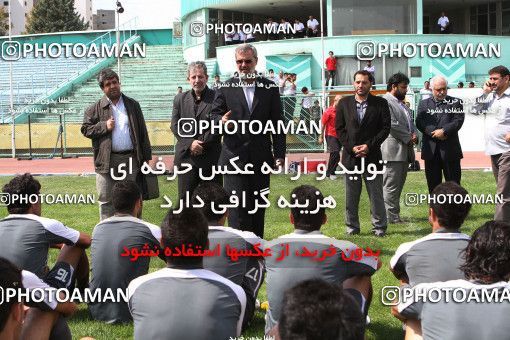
(383, 325)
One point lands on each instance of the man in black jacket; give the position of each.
(439, 119)
(200, 149)
(363, 122)
(119, 136)
(241, 100)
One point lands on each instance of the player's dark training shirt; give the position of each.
(26, 238)
(110, 239)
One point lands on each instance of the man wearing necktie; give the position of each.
(244, 99)
(397, 149)
(439, 119)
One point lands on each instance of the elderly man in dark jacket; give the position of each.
(439, 119)
(200, 149)
(119, 138)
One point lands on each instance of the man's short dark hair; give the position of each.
(472, 83)
(316, 309)
(106, 74)
(363, 73)
(210, 192)
(487, 255)
(445, 204)
(271, 70)
(331, 52)
(124, 196)
(304, 89)
(188, 228)
(25, 185)
(396, 79)
(501, 70)
(302, 219)
(10, 277)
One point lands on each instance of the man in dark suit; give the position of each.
(363, 122)
(200, 149)
(439, 119)
(249, 98)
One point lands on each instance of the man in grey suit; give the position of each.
(397, 149)
(200, 149)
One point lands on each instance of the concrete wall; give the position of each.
(44, 135)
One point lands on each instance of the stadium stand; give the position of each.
(152, 81)
(34, 77)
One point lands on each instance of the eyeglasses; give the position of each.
(246, 61)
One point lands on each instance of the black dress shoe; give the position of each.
(350, 231)
(379, 233)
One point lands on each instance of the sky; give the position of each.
(149, 13)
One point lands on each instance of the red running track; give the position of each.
(84, 165)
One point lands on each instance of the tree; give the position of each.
(4, 21)
(54, 16)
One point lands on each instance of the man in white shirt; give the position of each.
(242, 36)
(426, 92)
(289, 86)
(443, 23)
(285, 29)
(306, 104)
(495, 104)
(271, 76)
(236, 38)
(250, 37)
(273, 27)
(312, 27)
(299, 28)
(228, 39)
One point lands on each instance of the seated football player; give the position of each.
(184, 300)
(114, 240)
(308, 254)
(246, 271)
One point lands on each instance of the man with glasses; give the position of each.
(242, 100)
(439, 119)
